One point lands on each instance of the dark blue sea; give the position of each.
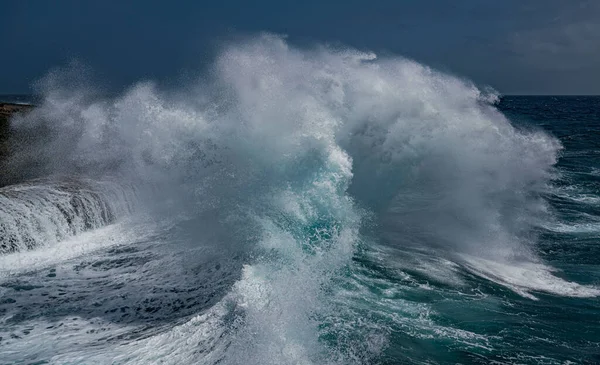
(302, 207)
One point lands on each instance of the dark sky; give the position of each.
(515, 46)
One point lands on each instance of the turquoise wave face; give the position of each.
(308, 207)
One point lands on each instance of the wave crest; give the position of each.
(43, 212)
(295, 149)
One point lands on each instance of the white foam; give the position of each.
(45, 340)
(283, 143)
(45, 212)
(527, 277)
(124, 232)
(583, 198)
(203, 339)
(583, 228)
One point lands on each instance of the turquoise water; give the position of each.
(302, 207)
(495, 324)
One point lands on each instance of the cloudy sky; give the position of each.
(515, 46)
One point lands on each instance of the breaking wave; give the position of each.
(303, 159)
(42, 212)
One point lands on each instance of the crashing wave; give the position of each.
(41, 212)
(297, 152)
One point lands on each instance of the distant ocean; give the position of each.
(18, 98)
(303, 207)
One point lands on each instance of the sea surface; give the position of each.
(18, 98)
(302, 207)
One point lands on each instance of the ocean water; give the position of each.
(18, 98)
(301, 207)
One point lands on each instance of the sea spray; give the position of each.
(290, 150)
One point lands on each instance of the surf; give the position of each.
(303, 162)
(44, 212)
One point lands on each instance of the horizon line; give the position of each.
(500, 94)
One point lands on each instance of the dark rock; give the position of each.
(6, 111)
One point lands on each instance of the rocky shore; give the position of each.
(6, 111)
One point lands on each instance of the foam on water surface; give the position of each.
(335, 201)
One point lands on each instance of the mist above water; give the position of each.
(301, 155)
